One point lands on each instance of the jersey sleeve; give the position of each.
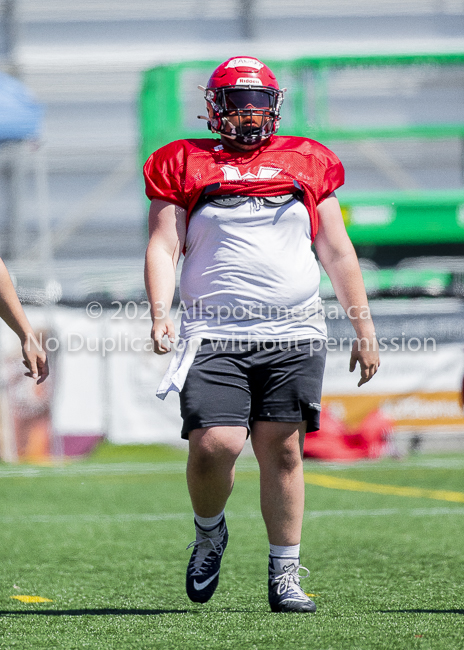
(332, 178)
(164, 175)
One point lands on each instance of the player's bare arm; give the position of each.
(167, 228)
(338, 257)
(11, 311)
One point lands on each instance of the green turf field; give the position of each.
(104, 540)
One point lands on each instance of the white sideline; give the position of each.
(309, 514)
(103, 469)
(178, 467)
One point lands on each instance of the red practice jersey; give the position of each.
(180, 171)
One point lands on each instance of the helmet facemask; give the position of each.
(256, 111)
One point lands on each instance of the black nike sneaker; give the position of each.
(205, 562)
(285, 593)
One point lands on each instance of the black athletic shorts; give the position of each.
(266, 380)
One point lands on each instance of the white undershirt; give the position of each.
(249, 272)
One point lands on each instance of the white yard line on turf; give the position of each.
(178, 467)
(106, 469)
(309, 514)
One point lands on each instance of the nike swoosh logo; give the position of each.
(201, 585)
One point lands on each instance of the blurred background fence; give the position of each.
(380, 83)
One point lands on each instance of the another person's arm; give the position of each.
(13, 314)
(167, 228)
(338, 257)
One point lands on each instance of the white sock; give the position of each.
(284, 551)
(209, 523)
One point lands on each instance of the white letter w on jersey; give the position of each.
(264, 173)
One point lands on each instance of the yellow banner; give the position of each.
(411, 410)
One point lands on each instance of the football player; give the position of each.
(246, 208)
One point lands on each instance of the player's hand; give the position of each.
(365, 351)
(35, 360)
(161, 328)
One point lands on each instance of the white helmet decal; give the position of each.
(248, 81)
(245, 63)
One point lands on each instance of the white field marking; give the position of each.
(109, 469)
(103, 469)
(309, 514)
(178, 467)
(50, 519)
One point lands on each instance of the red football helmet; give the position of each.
(246, 89)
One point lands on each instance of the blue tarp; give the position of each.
(20, 115)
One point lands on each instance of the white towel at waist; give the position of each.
(175, 375)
